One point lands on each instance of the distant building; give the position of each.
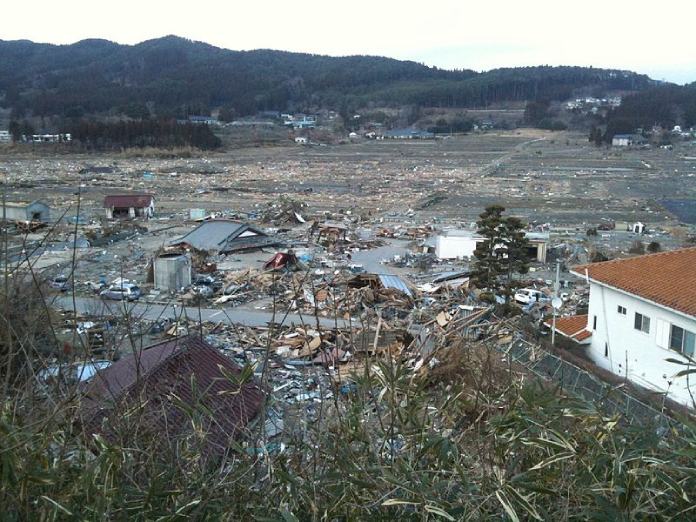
(299, 121)
(623, 140)
(203, 120)
(301, 140)
(408, 134)
(47, 138)
(36, 211)
(5, 136)
(129, 206)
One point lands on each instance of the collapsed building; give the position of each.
(161, 382)
(221, 236)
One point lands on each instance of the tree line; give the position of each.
(160, 133)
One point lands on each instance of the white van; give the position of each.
(529, 295)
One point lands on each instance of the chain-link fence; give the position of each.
(575, 380)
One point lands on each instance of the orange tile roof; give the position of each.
(573, 327)
(666, 278)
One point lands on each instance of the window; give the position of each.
(621, 310)
(594, 323)
(681, 340)
(642, 323)
(606, 349)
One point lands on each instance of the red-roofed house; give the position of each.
(129, 206)
(642, 311)
(161, 383)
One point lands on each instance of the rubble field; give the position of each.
(347, 271)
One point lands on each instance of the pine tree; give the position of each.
(504, 250)
(488, 265)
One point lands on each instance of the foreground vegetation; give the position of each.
(470, 439)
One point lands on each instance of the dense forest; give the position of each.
(665, 106)
(173, 77)
(143, 133)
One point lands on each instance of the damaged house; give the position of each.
(153, 388)
(221, 236)
(34, 212)
(641, 318)
(129, 206)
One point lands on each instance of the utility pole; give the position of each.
(555, 302)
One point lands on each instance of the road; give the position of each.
(152, 312)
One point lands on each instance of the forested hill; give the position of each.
(666, 106)
(171, 75)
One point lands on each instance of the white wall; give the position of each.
(450, 247)
(631, 352)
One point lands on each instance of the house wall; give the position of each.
(639, 356)
(27, 213)
(14, 213)
(451, 247)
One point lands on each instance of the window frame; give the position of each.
(644, 319)
(684, 334)
(621, 310)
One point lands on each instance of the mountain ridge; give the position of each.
(172, 75)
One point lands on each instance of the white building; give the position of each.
(458, 244)
(622, 140)
(642, 312)
(5, 136)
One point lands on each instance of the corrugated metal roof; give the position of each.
(186, 370)
(393, 281)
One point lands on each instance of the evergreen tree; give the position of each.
(504, 250)
(489, 264)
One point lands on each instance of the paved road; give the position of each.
(152, 312)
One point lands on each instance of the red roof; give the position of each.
(572, 327)
(666, 278)
(128, 201)
(162, 378)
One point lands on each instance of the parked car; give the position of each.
(127, 291)
(529, 295)
(60, 282)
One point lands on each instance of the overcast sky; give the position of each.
(657, 38)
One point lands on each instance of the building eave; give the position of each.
(587, 278)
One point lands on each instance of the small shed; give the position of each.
(36, 211)
(172, 272)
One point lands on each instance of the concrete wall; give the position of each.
(633, 353)
(172, 272)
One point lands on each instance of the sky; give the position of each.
(655, 39)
